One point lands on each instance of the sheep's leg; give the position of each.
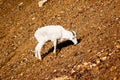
(55, 44)
(37, 50)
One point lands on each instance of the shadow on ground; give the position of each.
(60, 46)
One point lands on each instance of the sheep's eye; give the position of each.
(73, 38)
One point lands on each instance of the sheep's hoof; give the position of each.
(39, 58)
(56, 53)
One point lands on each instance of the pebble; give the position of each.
(21, 74)
(117, 18)
(85, 63)
(93, 65)
(21, 27)
(62, 56)
(14, 36)
(97, 61)
(41, 2)
(72, 71)
(62, 12)
(19, 43)
(78, 67)
(33, 18)
(21, 3)
(118, 46)
(103, 58)
(62, 78)
(54, 71)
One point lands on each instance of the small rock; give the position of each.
(41, 2)
(103, 58)
(99, 53)
(85, 63)
(118, 46)
(90, 50)
(14, 48)
(62, 12)
(33, 18)
(72, 71)
(21, 3)
(54, 71)
(19, 43)
(32, 50)
(62, 78)
(62, 56)
(59, 18)
(113, 68)
(78, 67)
(97, 61)
(25, 60)
(14, 36)
(21, 74)
(117, 18)
(93, 65)
(115, 78)
(101, 10)
(21, 27)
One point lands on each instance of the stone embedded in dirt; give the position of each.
(113, 68)
(117, 18)
(93, 65)
(41, 2)
(33, 18)
(102, 54)
(21, 27)
(62, 78)
(54, 71)
(15, 36)
(90, 50)
(20, 4)
(62, 12)
(81, 10)
(86, 63)
(103, 58)
(32, 50)
(98, 61)
(59, 18)
(98, 54)
(72, 71)
(118, 46)
(78, 67)
(14, 48)
(21, 74)
(61, 56)
(69, 65)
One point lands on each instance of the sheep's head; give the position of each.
(73, 37)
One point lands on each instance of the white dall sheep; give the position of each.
(54, 33)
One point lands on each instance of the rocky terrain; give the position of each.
(95, 57)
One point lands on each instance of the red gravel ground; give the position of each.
(95, 57)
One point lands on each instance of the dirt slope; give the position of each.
(95, 57)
